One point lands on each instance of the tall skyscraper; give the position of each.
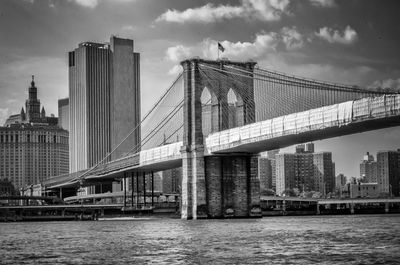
(32, 146)
(368, 169)
(104, 100)
(388, 172)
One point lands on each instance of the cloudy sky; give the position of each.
(348, 41)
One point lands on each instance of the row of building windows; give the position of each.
(33, 138)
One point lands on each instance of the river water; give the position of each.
(351, 239)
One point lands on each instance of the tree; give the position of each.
(289, 193)
(267, 192)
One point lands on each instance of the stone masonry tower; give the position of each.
(217, 185)
(32, 104)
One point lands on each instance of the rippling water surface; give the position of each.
(362, 239)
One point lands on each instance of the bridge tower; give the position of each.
(223, 185)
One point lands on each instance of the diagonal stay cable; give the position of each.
(133, 130)
(158, 127)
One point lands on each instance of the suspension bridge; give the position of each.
(218, 115)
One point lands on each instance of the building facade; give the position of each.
(388, 172)
(63, 113)
(6, 187)
(271, 155)
(34, 148)
(104, 101)
(340, 180)
(265, 172)
(171, 180)
(368, 169)
(363, 190)
(324, 172)
(285, 174)
(305, 171)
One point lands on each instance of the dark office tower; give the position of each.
(265, 172)
(388, 172)
(104, 89)
(125, 95)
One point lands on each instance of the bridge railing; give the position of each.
(315, 119)
(153, 155)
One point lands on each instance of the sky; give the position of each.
(352, 42)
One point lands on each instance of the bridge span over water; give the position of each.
(218, 115)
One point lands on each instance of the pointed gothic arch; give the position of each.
(235, 109)
(209, 116)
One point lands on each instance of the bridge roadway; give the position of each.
(332, 201)
(74, 207)
(345, 118)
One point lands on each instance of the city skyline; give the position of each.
(332, 46)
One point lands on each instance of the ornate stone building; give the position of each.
(32, 146)
(33, 114)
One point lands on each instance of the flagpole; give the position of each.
(218, 49)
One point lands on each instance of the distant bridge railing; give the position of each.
(150, 156)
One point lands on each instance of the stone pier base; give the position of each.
(228, 187)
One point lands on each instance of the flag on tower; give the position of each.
(220, 47)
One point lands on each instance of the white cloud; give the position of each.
(386, 83)
(263, 44)
(207, 13)
(348, 36)
(323, 3)
(4, 114)
(292, 38)
(87, 3)
(267, 10)
(175, 70)
(177, 53)
(94, 3)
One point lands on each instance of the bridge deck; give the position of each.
(330, 121)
